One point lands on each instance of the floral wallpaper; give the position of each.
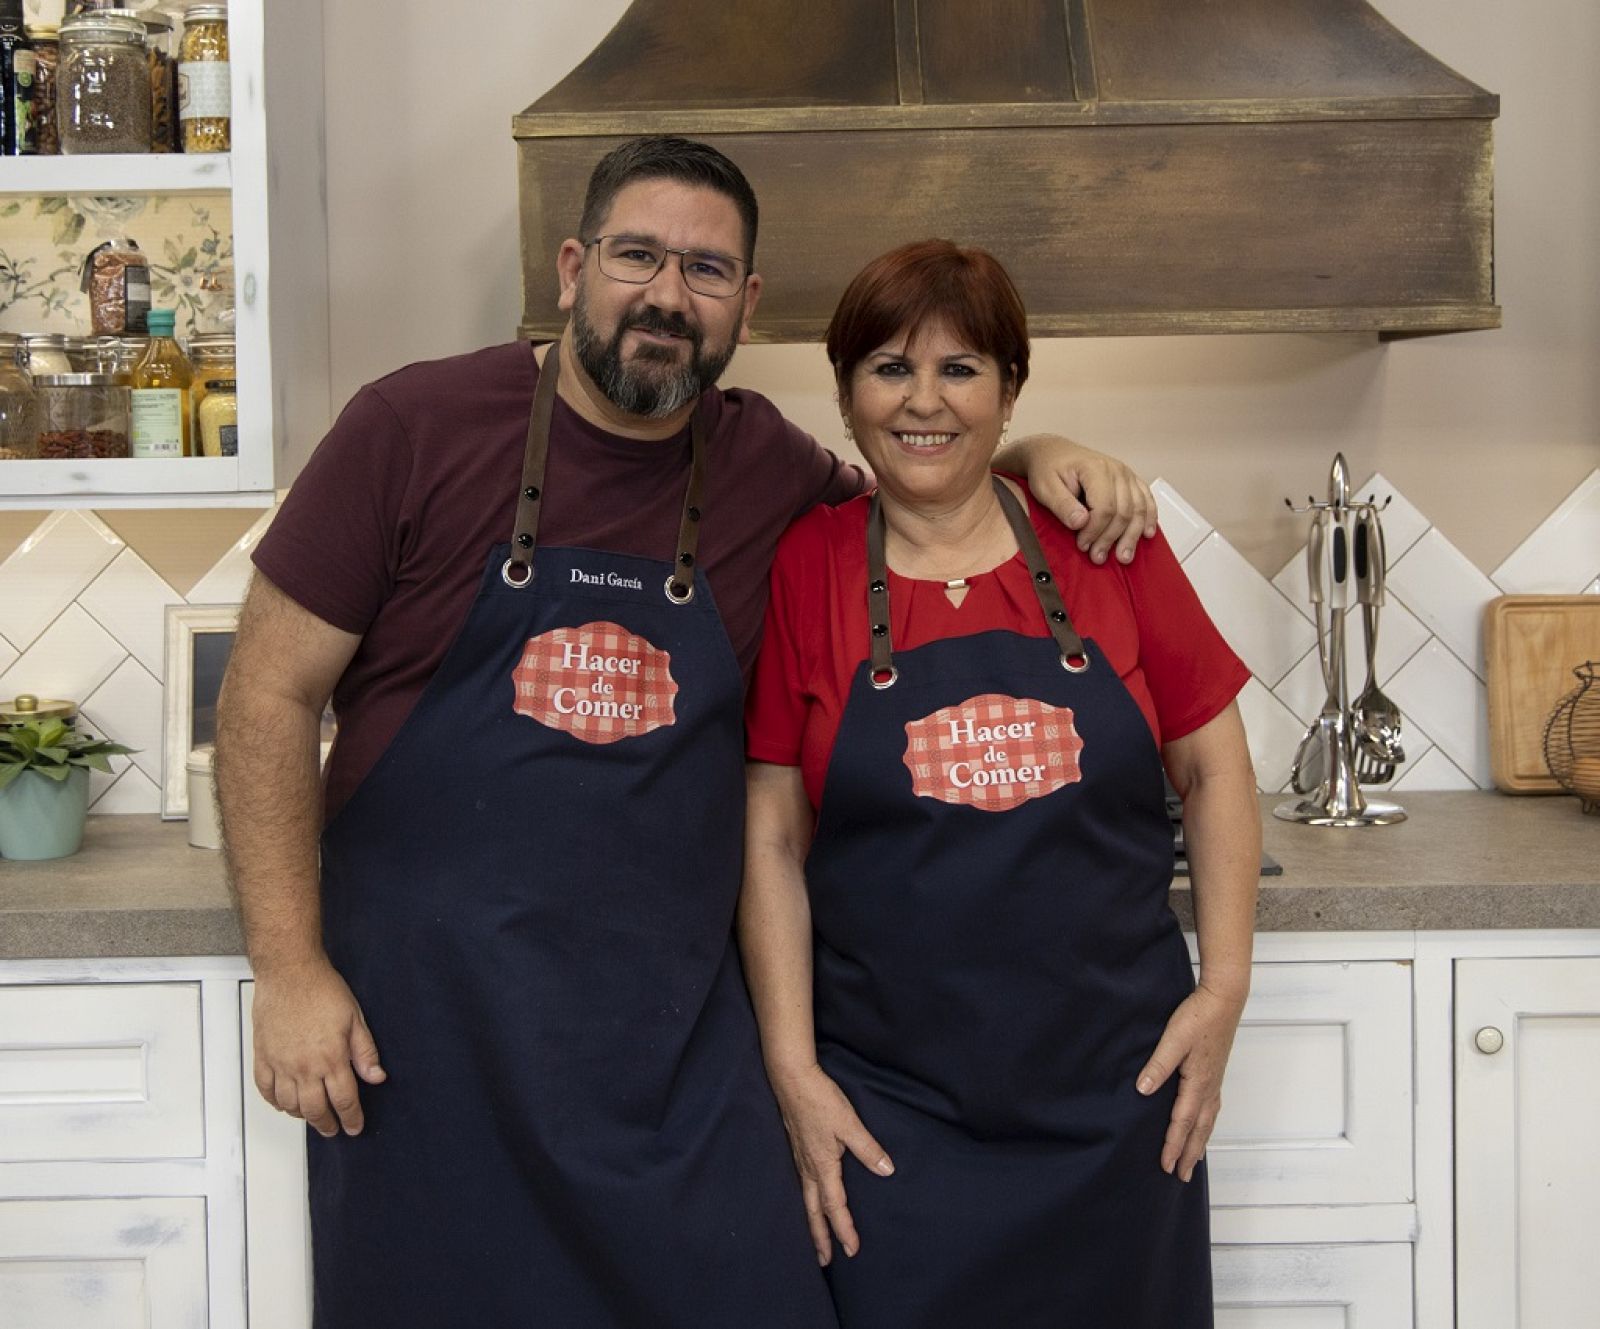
(44, 240)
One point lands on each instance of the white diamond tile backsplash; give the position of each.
(1268, 633)
(1563, 553)
(71, 658)
(1180, 523)
(81, 616)
(56, 562)
(128, 704)
(1442, 587)
(226, 582)
(129, 601)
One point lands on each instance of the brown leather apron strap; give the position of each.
(1074, 659)
(517, 571)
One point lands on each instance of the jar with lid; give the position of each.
(124, 355)
(205, 92)
(161, 51)
(81, 415)
(103, 90)
(211, 355)
(18, 428)
(46, 41)
(218, 416)
(47, 353)
(92, 355)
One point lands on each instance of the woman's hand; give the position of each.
(1195, 1044)
(822, 1126)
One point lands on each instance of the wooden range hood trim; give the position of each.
(994, 115)
(1292, 183)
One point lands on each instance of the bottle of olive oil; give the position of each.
(161, 381)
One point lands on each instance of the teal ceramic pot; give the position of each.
(43, 818)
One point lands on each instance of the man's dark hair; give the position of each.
(665, 157)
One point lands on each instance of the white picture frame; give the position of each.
(198, 640)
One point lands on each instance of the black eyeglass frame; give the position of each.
(667, 252)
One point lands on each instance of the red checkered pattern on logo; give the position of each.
(993, 752)
(599, 683)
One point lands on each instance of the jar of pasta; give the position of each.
(218, 413)
(205, 92)
(46, 39)
(103, 85)
(161, 40)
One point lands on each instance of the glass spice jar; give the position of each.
(205, 93)
(47, 353)
(212, 356)
(218, 417)
(18, 431)
(81, 415)
(103, 85)
(46, 41)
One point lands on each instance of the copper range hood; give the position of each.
(1142, 166)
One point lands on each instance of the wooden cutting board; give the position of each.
(1531, 645)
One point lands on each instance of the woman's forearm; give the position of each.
(1222, 835)
(774, 919)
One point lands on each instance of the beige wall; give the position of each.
(1487, 431)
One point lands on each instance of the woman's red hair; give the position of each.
(924, 283)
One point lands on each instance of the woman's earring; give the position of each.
(1005, 430)
(849, 433)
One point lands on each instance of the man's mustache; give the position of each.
(650, 319)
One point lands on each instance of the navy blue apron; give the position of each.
(995, 960)
(532, 897)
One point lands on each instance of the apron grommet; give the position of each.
(886, 681)
(680, 593)
(1075, 664)
(514, 582)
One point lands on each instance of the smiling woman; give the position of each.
(954, 916)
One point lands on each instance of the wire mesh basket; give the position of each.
(1572, 738)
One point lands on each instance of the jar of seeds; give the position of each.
(103, 87)
(81, 416)
(46, 41)
(205, 92)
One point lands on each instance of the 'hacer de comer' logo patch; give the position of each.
(993, 752)
(599, 683)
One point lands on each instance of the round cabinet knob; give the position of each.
(1489, 1040)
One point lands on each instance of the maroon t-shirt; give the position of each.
(388, 529)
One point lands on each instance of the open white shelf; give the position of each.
(119, 173)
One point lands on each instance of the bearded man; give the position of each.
(532, 582)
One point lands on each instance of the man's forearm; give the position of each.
(270, 793)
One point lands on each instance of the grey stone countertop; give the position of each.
(1462, 860)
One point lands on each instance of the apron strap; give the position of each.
(517, 571)
(1074, 659)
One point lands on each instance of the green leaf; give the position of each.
(10, 773)
(188, 260)
(95, 761)
(56, 773)
(52, 204)
(51, 732)
(68, 229)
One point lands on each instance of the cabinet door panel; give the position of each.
(108, 1071)
(276, 1218)
(1316, 1108)
(1527, 1156)
(1313, 1287)
(103, 1264)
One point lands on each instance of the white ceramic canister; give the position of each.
(205, 830)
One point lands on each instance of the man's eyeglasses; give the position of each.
(637, 262)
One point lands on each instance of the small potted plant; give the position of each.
(44, 786)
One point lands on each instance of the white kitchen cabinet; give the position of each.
(1317, 1105)
(1349, 1188)
(100, 1072)
(276, 175)
(1312, 1287)
(103, 1264)
(1527, 1151)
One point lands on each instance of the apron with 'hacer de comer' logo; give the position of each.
(532, 897)
(995, 961)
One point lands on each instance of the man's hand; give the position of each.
(1100, 498)
(309, 1034)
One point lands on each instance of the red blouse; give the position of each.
(1145, 617)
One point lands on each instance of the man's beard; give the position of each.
(655, 383)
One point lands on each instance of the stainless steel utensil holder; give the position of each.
(1337, 800)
